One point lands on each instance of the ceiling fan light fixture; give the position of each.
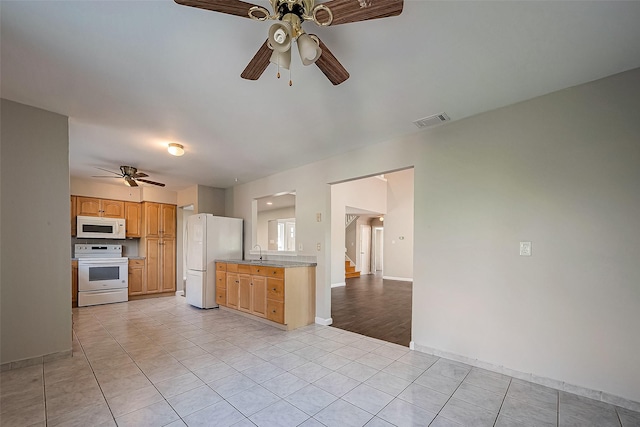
(280, 36)
(309, 49)
(175, 149)
(282, 59)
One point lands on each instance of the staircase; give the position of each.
(349, 267)
(350, 270)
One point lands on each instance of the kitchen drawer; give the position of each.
(277, 272)
(232, 268)
(259, 270)
(221, 296)
(275, 289)
(275, 311)
(221, 266)
(244, 269)
(221, 279)
(136, 262)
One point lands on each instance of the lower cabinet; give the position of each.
(160, 271)
(74, 283)
(136, 277)
(284, 295)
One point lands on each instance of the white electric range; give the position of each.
(102, 274)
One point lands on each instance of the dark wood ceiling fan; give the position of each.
(130, 176)
(289, 16)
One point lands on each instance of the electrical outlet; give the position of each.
(318, 246)
(319, 217)
(525, 248)
(300, 247)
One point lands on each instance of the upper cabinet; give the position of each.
(159, 220)
(91, 206)
(133, 217)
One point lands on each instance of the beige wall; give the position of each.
(35, 255)
(398, 226)
(119, 191)
(560, 171)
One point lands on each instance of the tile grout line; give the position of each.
(44, 394)
(451, 396)
(92, 370)
(503, 399)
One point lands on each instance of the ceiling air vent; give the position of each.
(432, 120)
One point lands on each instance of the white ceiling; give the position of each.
(134, 75)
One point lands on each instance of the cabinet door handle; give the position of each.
(273, 311)
(237, 281)
(274, 289)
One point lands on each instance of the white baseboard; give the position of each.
(401, 279)
(412, 345)
(337, 285)
(179, 293)
(547, 382)
(324, 322)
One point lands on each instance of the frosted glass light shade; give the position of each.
(280, 36)
(281, 58)
(308, 49)
(175, 149)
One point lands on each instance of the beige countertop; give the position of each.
(269, 263)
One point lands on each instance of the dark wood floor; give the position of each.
(374, 307)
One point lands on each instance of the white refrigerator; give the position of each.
(209, 238)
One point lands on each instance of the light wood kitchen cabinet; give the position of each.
(221, 283)
(159, 220)
(74, 283)
(284, 295)
(158, 243)
(233, 289)
(161, 265)
(252, 290)
(74, 223)
(167, 265)
(92, 206)
(133, 217)
(136, 277)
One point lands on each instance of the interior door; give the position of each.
(196, 230)
(365, 249)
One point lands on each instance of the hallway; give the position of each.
(374, 307)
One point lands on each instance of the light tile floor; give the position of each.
(160, 362)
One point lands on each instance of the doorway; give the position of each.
(379, 302)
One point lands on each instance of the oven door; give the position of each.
(102, 273)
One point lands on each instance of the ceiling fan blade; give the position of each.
(105, 176)
(232, 7)
(130, 181)
(150, 182)
(346, 11)
(330, 66)
(258, 63)
(139, 175)
(107, 170)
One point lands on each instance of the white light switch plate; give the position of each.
(525, 248)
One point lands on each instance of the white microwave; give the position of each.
(93, 227)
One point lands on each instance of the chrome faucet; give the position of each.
(260, 251)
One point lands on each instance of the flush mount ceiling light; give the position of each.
(175, 149)
(289, 16)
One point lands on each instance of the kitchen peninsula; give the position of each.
(281, 293)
